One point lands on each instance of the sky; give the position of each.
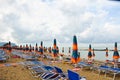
(31, 21)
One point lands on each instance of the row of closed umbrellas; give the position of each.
(75, 58)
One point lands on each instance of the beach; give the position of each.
(18, 72)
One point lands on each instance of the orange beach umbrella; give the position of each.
(75, 56)
(106, 52)
(93, 53)
(89, 53)
(115, 54)
(41, 48)
(54, 48)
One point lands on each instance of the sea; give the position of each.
(99, 49)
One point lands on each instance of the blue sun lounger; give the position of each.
(85, 65)
(114, 71)
(61, 73)
(74, 76)
(110, 70)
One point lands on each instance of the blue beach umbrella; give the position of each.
(106, 52)
(93, 53)
(75, 56)
(115, 54)
(54, 48)
(89, 53)
(41, 48)
(36, 48)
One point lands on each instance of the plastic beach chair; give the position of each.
(60, 72)
(74, 76)
(115, 71)
(85, 65)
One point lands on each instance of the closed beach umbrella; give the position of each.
(106, 52)
(106, 55)
(93, 53)
(36, 48)
(69, 51)
(115, 54)
(62, 49)
(54, 48)
(30, 48)
(75, 56)
(89, 53)
(41, 48)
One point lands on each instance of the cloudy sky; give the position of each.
(33, 21)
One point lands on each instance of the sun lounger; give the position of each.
(85, 65)
(3, 59)
(110, 70)
(74, 76)
(114, 71)
(43, 69)
(60, 72)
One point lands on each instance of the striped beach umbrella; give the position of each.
(115, 54)
(62, 49)
(89, 53)
(54, 48)
(69, 51)
(30, 48)
(106, 55)
(27, 48)
(9, 47)
(36, 48)
(75, 56)
(93, 53)
(106, 52)
(41, 48)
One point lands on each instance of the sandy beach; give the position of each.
(18, 72)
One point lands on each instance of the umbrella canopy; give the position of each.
(36, 48)
(62, 49)
(30, 48)
(41, 44)
(106, 52)
(69, 51)
(75, 56)
(115, 54)
(54, 48)
(93, 53)
(89, 53)
(41, 48)
(27, 48)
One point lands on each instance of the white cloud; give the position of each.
(36, 20)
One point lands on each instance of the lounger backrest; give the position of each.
(58, 70)
(73, 75)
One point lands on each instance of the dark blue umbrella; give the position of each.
(115, 54)
(41, 48)
(75, 56)
(54, 48)
(89, 53)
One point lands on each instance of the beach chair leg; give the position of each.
(105, 74)
(114, 76)
(99, 75)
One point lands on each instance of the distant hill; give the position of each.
(2, 43)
